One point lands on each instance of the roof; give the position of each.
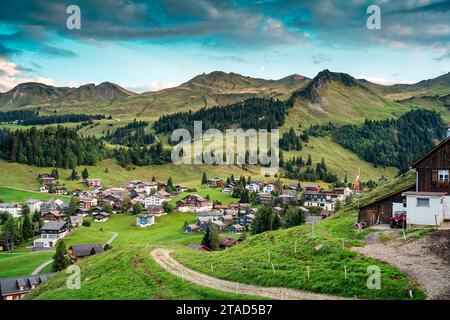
(228, 241)
(103, 213)
(84, 250)
(54, 225)
(76, 219)
(424, 193)
(401, 184)
(426, 155)
(193, 226)
(11, 285)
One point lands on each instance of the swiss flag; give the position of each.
(357, 180)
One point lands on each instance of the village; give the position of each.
(423, 202)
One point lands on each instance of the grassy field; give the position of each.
(20, 264)
(17, 195)
(16, 175)
(293, 253)
(127, 271)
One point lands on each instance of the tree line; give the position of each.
(393, 142)
(131, 135)
(255, 113)
(58, 147)
(32, 118)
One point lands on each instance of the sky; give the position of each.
(151, 45)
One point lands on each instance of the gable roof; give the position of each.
(54, 225)
(426, 155)
(11, 285)
(84, 250)
(401, 184)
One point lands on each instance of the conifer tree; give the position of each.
(60, 260)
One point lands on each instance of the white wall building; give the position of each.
(426, 208)
(13, 208)
(153, 200)
(34, 205)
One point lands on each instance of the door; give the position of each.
(447, 208)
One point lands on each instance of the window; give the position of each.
(443, 175)
(423, 202)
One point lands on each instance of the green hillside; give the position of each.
(284, 257)
(280, 258)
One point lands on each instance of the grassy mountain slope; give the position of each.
(206, 90)
(435, 86)
(339, 98)
(340, 161)
(37, 94)
(127, 271)
(323, 250)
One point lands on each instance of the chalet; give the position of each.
(311, 187)
(53, 215)
(227, 219)
(87, 202)
(193, 203)
(430, 203)
(278, 211)
(44, 189)
(77, 192)
(51, 232)
(264, 198)
(34, 205)
(191, 228)
(93, 182)
(286, 199)
(269, 188)
(228, 242)
(96, 210)
(147, 187)
(221, 208)
(17, 287)
(235, 228)
(293, 186)
(46, 180)
(61, 190)
(253, 187)
(180, 188)
(52, 204)
(249, 218)
(83, 212)
(218, 225)
(198, 247)
(145, 220)
(156, 199)
(100, 217)
(76, 221)
(13, 208)
(155, 210)
(215, 183)
(424, 196)
(228, 189)
(76, 252)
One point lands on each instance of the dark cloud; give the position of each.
(235, 23)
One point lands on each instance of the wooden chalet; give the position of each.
(433, 169)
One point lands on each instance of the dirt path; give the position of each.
(418, 258)
(165, 260)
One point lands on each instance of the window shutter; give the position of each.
(434, 176)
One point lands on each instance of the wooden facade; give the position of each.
(430, 165)
(381, 210)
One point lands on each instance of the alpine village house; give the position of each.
(425, 201)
